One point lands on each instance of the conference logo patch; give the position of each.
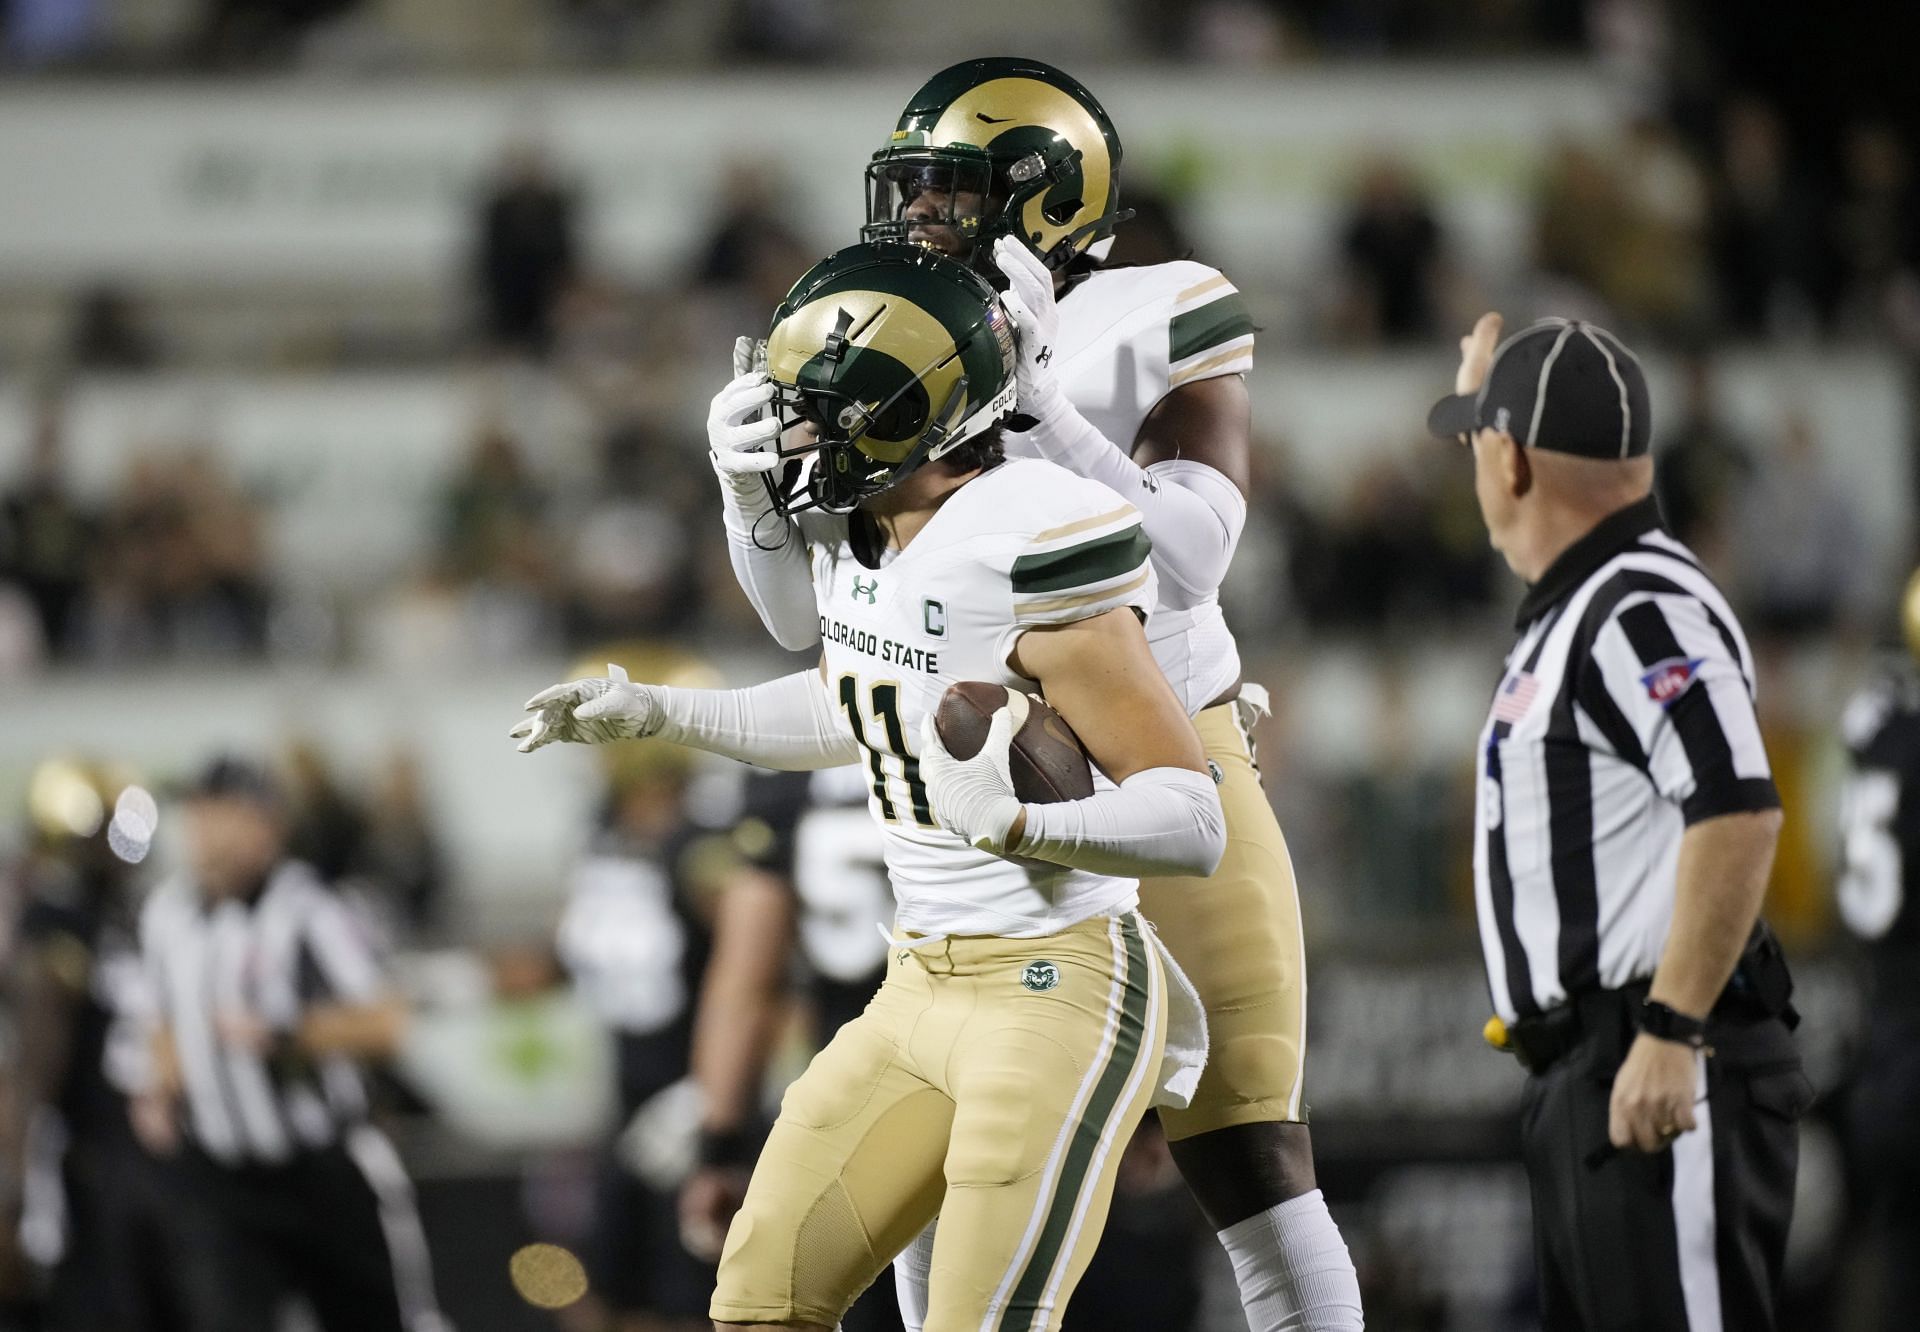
(1668, 679)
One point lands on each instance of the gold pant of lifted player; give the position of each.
(1237, 936)
(992, 1082)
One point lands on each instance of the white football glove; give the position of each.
(594, 711)
(1030, 301)
(973, 797)
(742, 433)
(749, 354)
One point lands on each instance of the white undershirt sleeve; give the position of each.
(769, 558)
(1191, 512)
(788, 723)
(1159, 823)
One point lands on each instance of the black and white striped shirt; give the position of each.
(1626, 713)
(267, 958)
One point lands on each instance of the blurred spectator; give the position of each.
(753, 247)
(632, 560)
(1703, 467)
(1627, 223)
(1392, 246)
(110, 332)
(1657, 274)
(1578, 215)
(1877, 226)
(1797, 549)
(491, 505)
(1401, 550)
(245, 33)
(402, 855)
(46, 534)
(786, 29)
(1402, 825)
(1768, 251)
(178, 571)
(326, 827)
(528, 251)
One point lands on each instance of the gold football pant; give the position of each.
(992, 1082)
(1237, 936)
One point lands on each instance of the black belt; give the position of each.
(1760, 988)
(1543, 1039)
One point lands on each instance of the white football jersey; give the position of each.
(1128, 336)
(1023, 545)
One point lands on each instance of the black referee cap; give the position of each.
(1562, 384)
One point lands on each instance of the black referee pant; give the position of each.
(320, 1225)
(1690, 1239)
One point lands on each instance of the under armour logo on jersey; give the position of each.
(1040, 976)
(866, 590)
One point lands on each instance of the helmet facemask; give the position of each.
(835, 443)
(958, 200)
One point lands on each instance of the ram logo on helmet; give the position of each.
(998, 147)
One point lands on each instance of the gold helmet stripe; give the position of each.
(981, 115)
(884, 322)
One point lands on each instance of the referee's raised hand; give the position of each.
(1476, 353)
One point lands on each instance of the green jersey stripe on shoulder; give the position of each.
(1208, 326)
(1082, 565)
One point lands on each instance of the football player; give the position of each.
(1132, 376)
(1880, 817)
(1028, 1016)
(816, 877)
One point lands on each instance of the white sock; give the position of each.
(1293, 1269)
(912, 1269)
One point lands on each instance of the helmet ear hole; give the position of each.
(1061, 213)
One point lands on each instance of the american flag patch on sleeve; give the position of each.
(1516, 692)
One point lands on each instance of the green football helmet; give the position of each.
(883, 357)
(993, 147)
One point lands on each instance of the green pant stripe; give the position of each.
(1025, 1301)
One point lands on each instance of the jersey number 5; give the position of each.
(1871, 887)
(885, 715)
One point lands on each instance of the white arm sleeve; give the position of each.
(1191, 512)
(788, 723)
(769, 558)
(1158, 823)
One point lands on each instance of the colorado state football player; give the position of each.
(1028, 1016)
(1131, 376)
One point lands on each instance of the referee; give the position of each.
(266, 993)
(1625, 827)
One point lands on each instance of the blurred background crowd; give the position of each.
(353, 355)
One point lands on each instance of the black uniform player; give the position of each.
(636, 938)
(816, 879)
(1879, 897)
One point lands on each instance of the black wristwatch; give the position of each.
(1665, 1024)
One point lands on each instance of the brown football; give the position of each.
(1048, 761)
